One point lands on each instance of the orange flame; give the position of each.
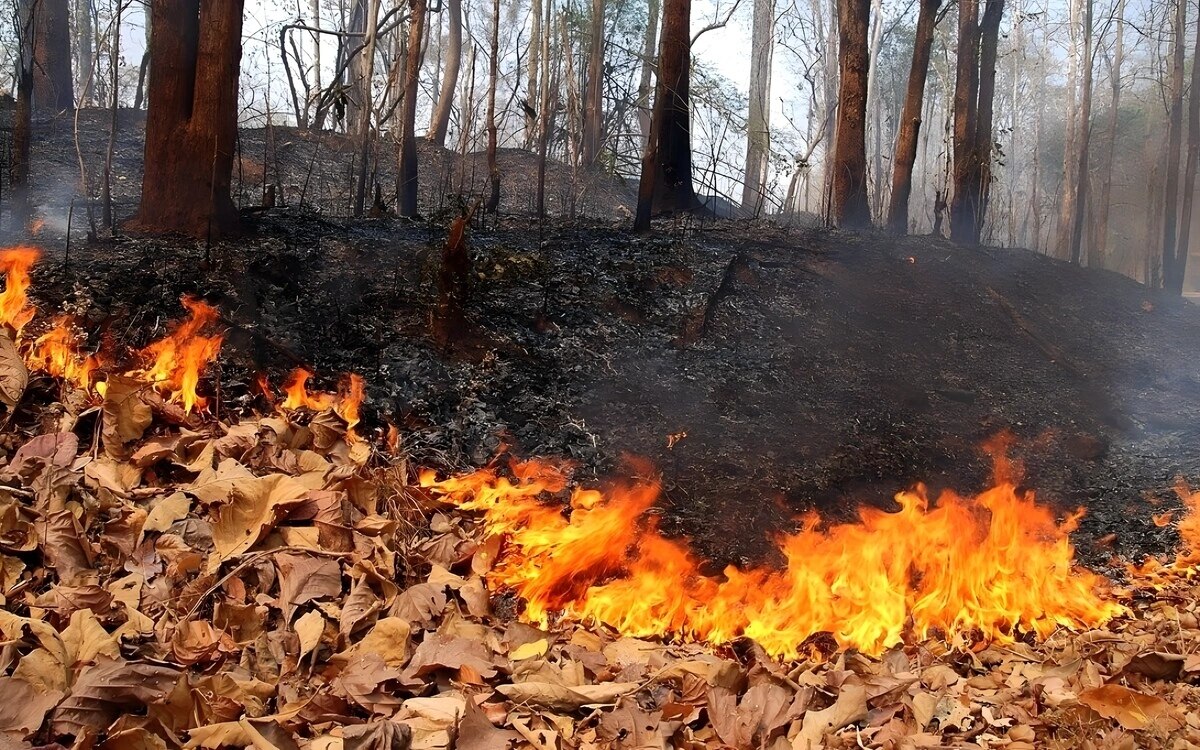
(15, 309)
(966, 569)
(179, 358)
(59, 352)
(345, 403)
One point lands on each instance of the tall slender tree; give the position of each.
(191, 123)
(1098, 247)
(1082, 171)
(1179, 270)
(910, 120)
(593, 99)
(649, 47)
(758, 121)
(1067, 188)
(493, 201)
(406, 177)
(666, 183)
(850, 206)
(85, 63)
(964, 209)
(1170, 225)
(53, 87)
(453, 59)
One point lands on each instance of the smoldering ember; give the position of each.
(490, 374)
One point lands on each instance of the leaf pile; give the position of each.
(271, 584)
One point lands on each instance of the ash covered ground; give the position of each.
(762, 370)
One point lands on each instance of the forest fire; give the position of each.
(965, 569)
(177, 359)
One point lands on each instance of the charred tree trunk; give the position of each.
(22, 137)
(1082, 173)
(964, 209)
(1100, 241)
(989, 41)
(758, 123)
(406, 187)
(453, 60)
(910, 121)
(850, 206)
(191, 123)
(533, 88)
(493, 201)
(1170, 230)
(545, 109)
(593, 99)
(666, 183)
(347, 111)
(1179, 271)
(53, 88)
(366, 74)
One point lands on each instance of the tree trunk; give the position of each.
(1082, 173)
(758, 123)
(910, 120)
(1100, 241)
(351, 86)
(53, 89)
(191, 123)
(1066, 201)
(593, 99)
(1183, 246)
(534, 68)
(963, 211)
(85, 63)
(493, 201)
(989, 41)
(649, 49)
(22, 139)
(850, 207)
(666, 182)
(106, 206)
(366, 74)
(1170, 239)
(453, 60)
(545, 109)
(406, 188)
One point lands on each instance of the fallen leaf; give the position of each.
(562, 698)
(14, 377)
(476, 732)
(377, 735)
(1130, 709)
(23, 708)
(125, 414)
(254, 505)
(849, 707)
(309, 628)
(305, 578)
(106, 689)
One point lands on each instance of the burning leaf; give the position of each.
(178, 359)
(562, 698)
(23, 708)
(14, 377)
(1130, 709)
(15, 262)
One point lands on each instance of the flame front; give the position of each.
(178, 359)
(966, 570)
(59, 352)
(346, 402)
(15, 309)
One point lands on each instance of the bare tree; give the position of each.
(1179, 271)
(1170, 238)
(593, 100)
(85, 61)
(1082, 172)
(453, 59)
(406, 178)
(649, 47)
(1098, 248)
(53, 87)
(493, 200)
(366, 74)
(1068, 192)
(850, 206)
(758, 123)
(666, 182)
(910, 121)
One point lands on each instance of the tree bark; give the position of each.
(351, 86)
(593, 99)
(1066, 201)
(85, 63)
(666, 182)
(545, 108)
(758, 122)
(649, 49)
(989, 42)
(1082, 173)
(850, 207)
(22, 137)
(1170, 229)
(910, 120)
(964, 209)
(191, 123)
(453, 60)
(1183, 246)
(53, 89)
(493, 201)
(406, 188)
(366, 74)
(533, 69)
(1100, 241)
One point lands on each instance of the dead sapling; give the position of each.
(454, 282)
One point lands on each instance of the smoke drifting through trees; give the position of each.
(1020, 123)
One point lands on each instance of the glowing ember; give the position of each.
(15, 262)
(59, 352)
(964, 569)
(178, 359)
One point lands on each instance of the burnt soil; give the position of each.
(762, 370)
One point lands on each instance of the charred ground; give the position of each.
(808, 369)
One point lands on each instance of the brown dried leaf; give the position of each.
(23, 708)
(14, 377)
(306, 578)
(104, 690)
(381, 734)
(850, 706)
(1129, 708)
(443, 651)
(476, 732)
(254, 505)
(562, 698)
(125, 414)
(63, 545)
